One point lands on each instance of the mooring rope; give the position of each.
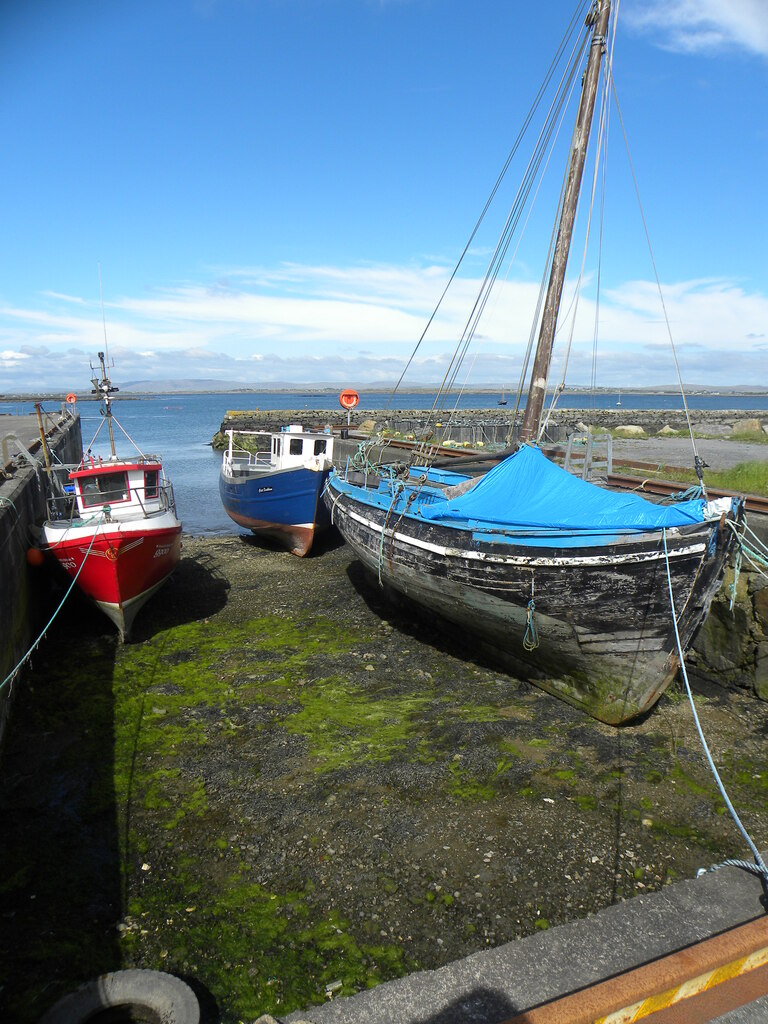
(15, 671)
(759, 867)
(756, 555)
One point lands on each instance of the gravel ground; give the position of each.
(718, 453)
(284, 781)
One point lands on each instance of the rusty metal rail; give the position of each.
(692, 986)
(753, 502)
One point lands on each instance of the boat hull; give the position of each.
(600, 618)
(283, 505)
(118, 566)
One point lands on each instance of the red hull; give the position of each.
(120, 570)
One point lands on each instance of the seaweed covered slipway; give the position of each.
(284, 783)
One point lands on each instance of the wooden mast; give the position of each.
(537, 391)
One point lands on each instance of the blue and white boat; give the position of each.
(276, 492)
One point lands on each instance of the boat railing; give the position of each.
(62, 507)
(238, 461)
(162, 501)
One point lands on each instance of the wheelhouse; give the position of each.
(127, 488)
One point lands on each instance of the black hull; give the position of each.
(601, 615)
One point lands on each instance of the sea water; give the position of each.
(180, 428)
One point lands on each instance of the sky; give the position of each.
(277, 191)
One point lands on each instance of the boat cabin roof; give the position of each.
(97, 467)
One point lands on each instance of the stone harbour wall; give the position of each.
(23, 588)
(495, 426)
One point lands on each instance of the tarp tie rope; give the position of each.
(531, 637)
(397, 489)
(759, 867)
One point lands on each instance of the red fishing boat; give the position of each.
(113, 526)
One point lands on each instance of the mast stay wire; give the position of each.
(578, 13)
(599, 173)
(548, 132)
(544, 144)
(699, 464)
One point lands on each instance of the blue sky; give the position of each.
(277, 190)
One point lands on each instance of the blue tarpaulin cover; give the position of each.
(527, 490)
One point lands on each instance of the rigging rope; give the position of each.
(514, 216)
(698, 462)
(601, 164)
(544, 143)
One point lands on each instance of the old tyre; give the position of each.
(149, 997)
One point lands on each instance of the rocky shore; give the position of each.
(284, 783)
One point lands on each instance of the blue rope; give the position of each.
(759, 867)
(694, 491)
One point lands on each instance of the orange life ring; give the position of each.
(71, 398)
(111, 554)
(348, 399)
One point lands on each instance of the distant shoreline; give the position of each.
(127, 395)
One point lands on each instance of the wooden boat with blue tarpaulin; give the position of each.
(568, 583)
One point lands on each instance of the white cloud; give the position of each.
(359, 324)
(706, 26)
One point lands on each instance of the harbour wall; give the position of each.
(23, 496)
(499, 427)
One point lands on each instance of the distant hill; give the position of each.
(208, 385)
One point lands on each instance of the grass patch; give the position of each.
(343, 727)
(744, 478)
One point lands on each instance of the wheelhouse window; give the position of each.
(104, 488)
(320, 446)
(296, 446)
(151, 483)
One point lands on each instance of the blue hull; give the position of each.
(282, 504)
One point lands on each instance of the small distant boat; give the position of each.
(619, 399)
(502, 400)
(276, 492)
(113, 528)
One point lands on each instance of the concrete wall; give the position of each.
(23, 588)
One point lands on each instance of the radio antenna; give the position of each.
(103, 318)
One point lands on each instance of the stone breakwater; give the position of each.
(484, 426)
